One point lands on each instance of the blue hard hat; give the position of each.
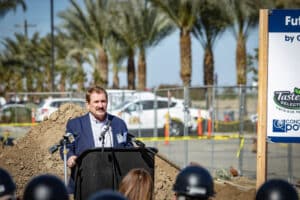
(7, 185)
(276, 189)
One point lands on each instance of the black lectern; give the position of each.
(99, 168)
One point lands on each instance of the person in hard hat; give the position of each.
(7, 186)
(194, 183)
(45, 187)
(276, 189)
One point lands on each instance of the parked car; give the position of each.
(139, 114)
(116, 96)
(2, 101)
(15, 113)
(254, 118)
(50, 105)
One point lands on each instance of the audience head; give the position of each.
(45, 187)
(276, 189)
(194, 182)
(7, 185)
(137, 184)
(107, 195)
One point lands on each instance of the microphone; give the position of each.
(53, 148)
(104, 130)
(70, 137)
(67, 137)
(137, 142)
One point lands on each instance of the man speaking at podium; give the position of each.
(97, 128)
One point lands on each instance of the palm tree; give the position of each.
(124, 30)
(117, 52)
(211, 23)
(14, 60)
(183, 14)
(74, 55)
(91, 26)
(152, 26)
(286, 4)
(65, 69)
(8, 5)
(244, 17)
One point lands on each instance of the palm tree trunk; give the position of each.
(103, 67)
(81, 75)
(185, 57)
(62, 83)
(241, 62)
(29, 81)
(131, 71)
(81, 79)
(142, 70)
(39, 83)
(116, 80)
(49, 85)
(19, 83)
(209, 74)
(208, 66)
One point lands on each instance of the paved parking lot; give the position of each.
(283, 159)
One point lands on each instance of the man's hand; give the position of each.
(71, 161)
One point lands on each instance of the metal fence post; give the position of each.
(242, 91)
(212, 112)
(186, 113)
(290, 163)
(155, 132)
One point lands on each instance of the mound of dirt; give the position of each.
(30, 157)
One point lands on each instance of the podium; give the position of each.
(104, 168)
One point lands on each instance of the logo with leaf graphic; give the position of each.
(297, 91)
(287, 99)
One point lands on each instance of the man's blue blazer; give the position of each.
(81, 128)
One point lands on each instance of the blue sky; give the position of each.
(163, 61)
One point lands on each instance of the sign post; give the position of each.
(279, 83)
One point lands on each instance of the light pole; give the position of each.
(52, 46)
(25, 26)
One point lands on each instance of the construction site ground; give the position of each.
(29, 156)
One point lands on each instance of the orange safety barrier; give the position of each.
(209, 127)
(199, 124)
(167, 129)
(32, 116)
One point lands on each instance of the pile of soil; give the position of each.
(30, 157)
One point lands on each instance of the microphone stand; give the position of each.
(102, 138)
(63, 142)
(65, 160)
(104, 131)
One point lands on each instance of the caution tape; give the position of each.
(215, 137)
(227, 123)
(241, 147)
(19, 124)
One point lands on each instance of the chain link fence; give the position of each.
(213, 126)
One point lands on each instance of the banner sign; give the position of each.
(283, 104)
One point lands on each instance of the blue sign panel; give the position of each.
(284, 20)
(283, 107)
(284, 139)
